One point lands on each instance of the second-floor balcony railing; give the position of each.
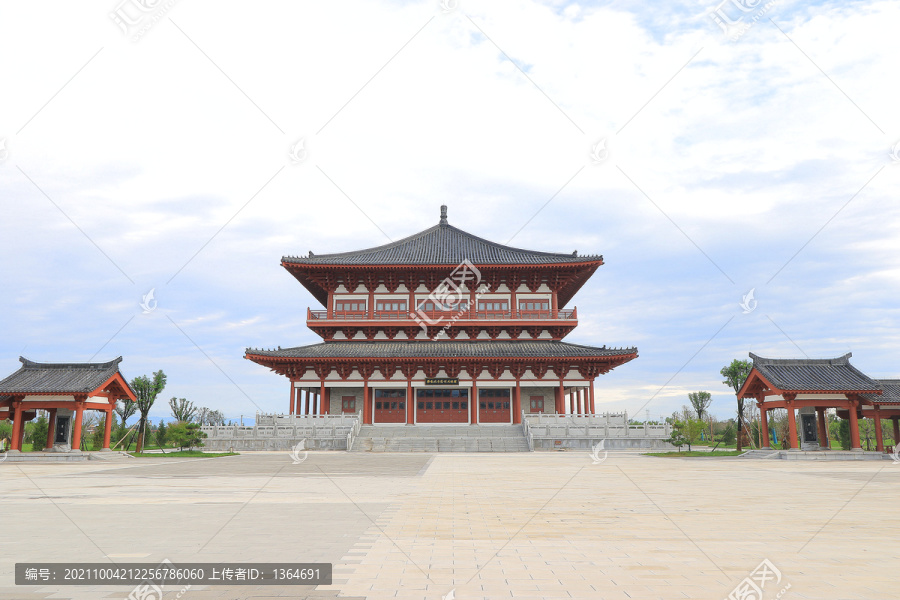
(563, 314)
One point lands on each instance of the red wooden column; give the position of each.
(517, 402)
(879, 437)
(18, 430)
(293, 397)
(591, 397)
(823, 431)
(792, 420)
(372, 301)
(51, 426)
(554, 307)
(896, 421)
(764, 424)
(410, 403)
(367, 405)
(326, 398)
(854, 426)
(76, 428)
(107, 429)
(473, 403)
(560, 392)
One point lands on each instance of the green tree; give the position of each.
(700, 401)
(735, 375)
(97, 436)
(844, 434)
(38, 433)
(182, 409)
(186, 435)
(162, 433)
(125, 409)
(146, 390)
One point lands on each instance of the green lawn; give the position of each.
(686, 453)
(183, 453)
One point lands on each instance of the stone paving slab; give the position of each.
(416, 526)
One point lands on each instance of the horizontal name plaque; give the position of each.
(442, 381)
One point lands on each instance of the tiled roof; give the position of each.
(890, 392)
(442, 349)
(69, 378)
(442, 244)
(827, 375)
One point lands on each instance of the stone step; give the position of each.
(440, 438)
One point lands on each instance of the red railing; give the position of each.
(563, 314)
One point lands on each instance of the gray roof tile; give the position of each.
(828, 374)
(442, 349)
(70, 378)
(442, 244)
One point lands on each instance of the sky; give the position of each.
(184, 147)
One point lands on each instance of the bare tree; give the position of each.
(182, 409)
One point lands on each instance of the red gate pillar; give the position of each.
(107, 429)
(51, 427)
(410, 403)
(293, 397)
(854, 427)
(823, 428)
(76, 428)
(879, 437)
(367, 405)
(473, 403)
(764, 424)
(792, 422)
(18, 430)
(896, 421)
(517, 402)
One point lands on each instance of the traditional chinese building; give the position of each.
(812, 386)
(442, 327)
(65, 390)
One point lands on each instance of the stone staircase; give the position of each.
(440, 438)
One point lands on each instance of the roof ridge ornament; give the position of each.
(443, 214)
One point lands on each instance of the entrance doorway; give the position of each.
(494, 406)
(442, 406)
(390, 406)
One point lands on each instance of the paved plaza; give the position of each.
(525, 525)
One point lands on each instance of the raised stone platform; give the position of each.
(815, 455)
(584, 432)
(440, 438)
(58, 457)
(282, 432)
